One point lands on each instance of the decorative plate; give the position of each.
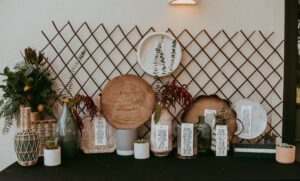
(159, 54)
(127, 102)
(253, 116)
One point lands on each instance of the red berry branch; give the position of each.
(169, 94)
(82, 103)
(172, 93)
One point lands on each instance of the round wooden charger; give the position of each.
(127, 102)
(211, 102)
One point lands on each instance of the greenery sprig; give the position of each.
(223, 116)
(270, 136)
(141, 141)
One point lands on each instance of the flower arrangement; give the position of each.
(168, 94)
(28, 85)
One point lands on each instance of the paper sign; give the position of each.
(246, 118)
(221, 140)
(100, 132)
(210, 117)
(162, 137)
(187, 134)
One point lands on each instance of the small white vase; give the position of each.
(141, 150)
(52, 157)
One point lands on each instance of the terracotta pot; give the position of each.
(35, 116)
(285, 155)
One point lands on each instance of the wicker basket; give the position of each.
(46, 130)
(88, 142)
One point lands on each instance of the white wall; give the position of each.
(21, 22)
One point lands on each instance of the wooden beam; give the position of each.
(291, 57)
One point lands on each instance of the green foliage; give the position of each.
(173, 54)
(159, 54)
(157, 112)
(141, 141)
(66, 91)
(270, 136)
(285, 145)
(52, 144)
(28, 84)
(223, 116)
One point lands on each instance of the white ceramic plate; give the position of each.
(146, 54)
(253, 116)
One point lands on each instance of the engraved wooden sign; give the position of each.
(127, 102)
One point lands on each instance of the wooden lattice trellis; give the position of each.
(241, 65)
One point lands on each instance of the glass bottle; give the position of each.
(67, 133)
(204, 136)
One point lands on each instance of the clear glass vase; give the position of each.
(67, 133)
(187, 141)
(204, 136)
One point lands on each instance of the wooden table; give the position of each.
(110, 167)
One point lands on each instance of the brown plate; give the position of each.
(127, 102)
(211, 102)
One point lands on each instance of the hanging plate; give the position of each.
(127, 101)
(253, 116)
(159, 54)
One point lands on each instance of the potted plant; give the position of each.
(269, 138)
(28, 85)
(141, 149)
(52, 155)
(167, 94)
(285, 153)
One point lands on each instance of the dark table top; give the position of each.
(110, 167)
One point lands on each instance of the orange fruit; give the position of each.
(40, 108)
(66, 101)
(22, 106)
(27, 88)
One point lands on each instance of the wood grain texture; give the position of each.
(127, 101)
